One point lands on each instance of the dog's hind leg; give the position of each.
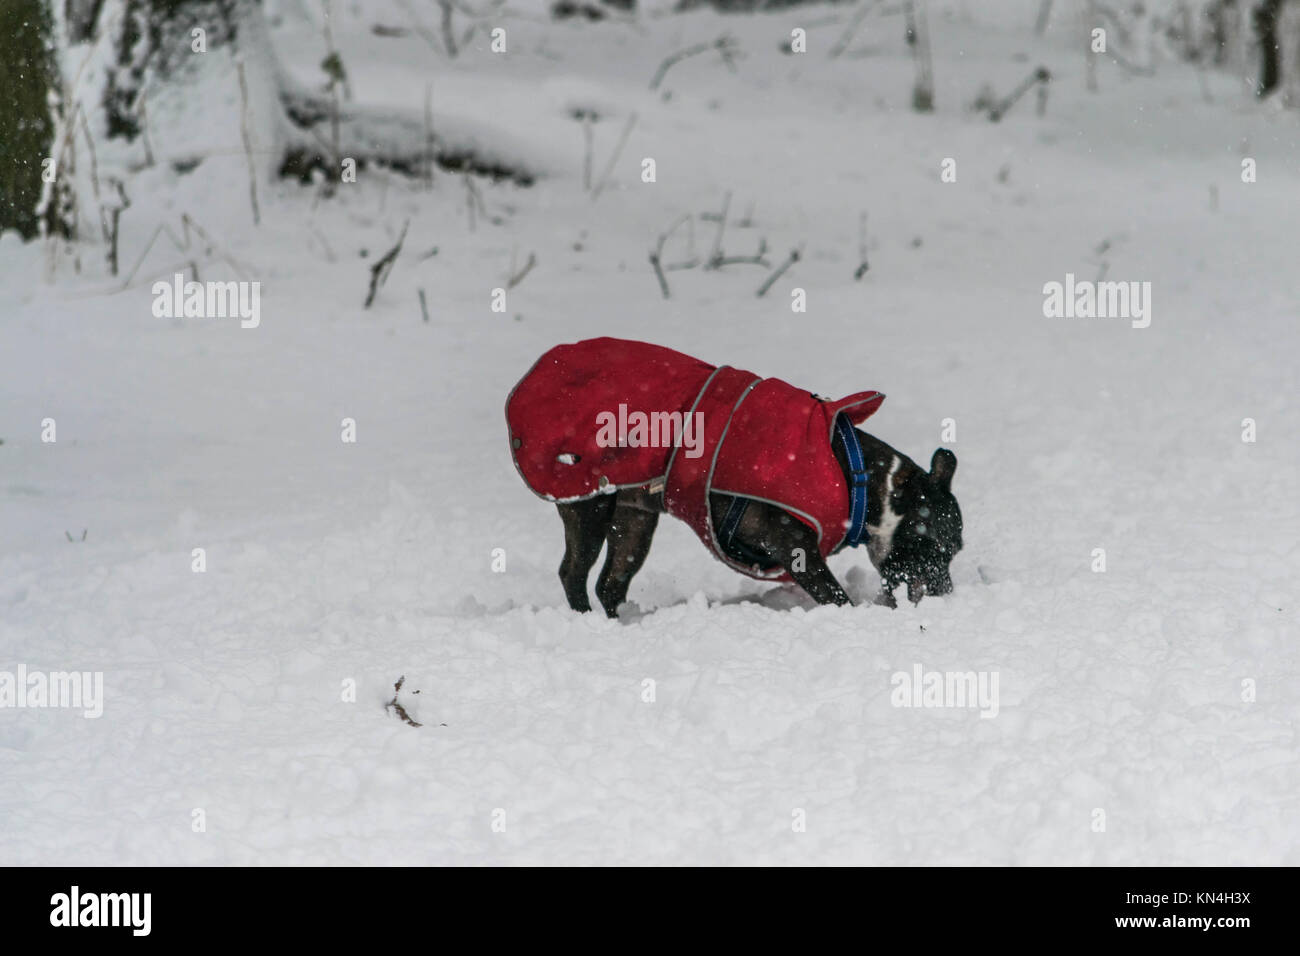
(586, 523)
(629, 540)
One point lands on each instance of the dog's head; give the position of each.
(927, 535)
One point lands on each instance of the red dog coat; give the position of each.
(574, 434)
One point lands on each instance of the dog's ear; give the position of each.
(942, 467)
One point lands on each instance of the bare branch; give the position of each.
(725, 45)
(613, 159)
(715, 255)
(397, 708)
(518, 277)
(862, 268)
(248, 142)
(590, 145)
(779, 271)
(1040, 75)
(380, 270)
(845, 38)
(659, 274)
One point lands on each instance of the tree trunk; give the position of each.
(29, 77)
(1270, 75)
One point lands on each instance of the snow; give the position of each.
(330, 562)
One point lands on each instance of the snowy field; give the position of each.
(1147, 713)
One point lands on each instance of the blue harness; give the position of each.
(857, 531)
(857, 481)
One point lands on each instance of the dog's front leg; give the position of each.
(785, 539)
(816, 578)
(803, 561)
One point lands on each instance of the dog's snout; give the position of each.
(919, 586)
(916, 589)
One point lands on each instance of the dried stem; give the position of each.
(380, 270)
(778, 272)
(248, 142)
(725, 45)
(613, 159)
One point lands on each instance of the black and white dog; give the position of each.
(772, 478)
(913, 523)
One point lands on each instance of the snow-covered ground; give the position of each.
(331, 562)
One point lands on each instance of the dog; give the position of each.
(773, 479)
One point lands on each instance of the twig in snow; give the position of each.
(918, 28)
(518, 277)
(1040, 75)
(715, 255)
(659, 274)
(716, 259)
(182, 244)
(248, 143)
(691, 260)
(379, 271)
(144, 128)
(448, 31)
(424, 308)
(656, 256)
(862, 268)
(329, 253)
(333, 63)
(1202, 80)
(474, 200)
(586, 118)
(845, 38)
(725, 45)
(90, 148)
(109, 217)
(421, 30)
(613, 159)
(755, 260)
(779, 271)
(397, 708)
